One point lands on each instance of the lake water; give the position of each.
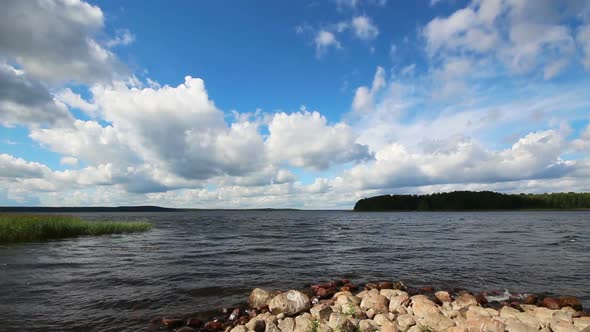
(196, 261)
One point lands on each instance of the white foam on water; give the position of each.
(498, 298)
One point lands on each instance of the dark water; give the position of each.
(192, 262)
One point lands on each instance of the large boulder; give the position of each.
(259, 298)
(289, 303)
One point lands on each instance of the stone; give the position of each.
(531, 299)
(343, 299)
(388, 327)
(457, 329)
(400, 285)
(389, 293)
(482, 324)
(259, 298)
(258, 323)
(341, 323)
(386, 285)
(451, 313)
(528, 308)
(186, 329)
(214, 325)
(436, 322)
(194, 323)
(271, 327)
(290, 303)
(172, 323)
(427, 289)
(398, 300)
(508, 312)
(570, 301)
(239, 328)
(415, 328)
(528, 319)
(481, 299)
(586, 329)
(424, 307)
(562, 326)
(321, 311)
(550, 303)
(405, 321)
(380, 319)
(304, 323)
(443, 296)
(582, 322)
(379, 303)
(514, 325)
(544, 315)
(351, 310)
(287, 324)
(368, 325)
(464, 301)
(475, 311)
(346, 293)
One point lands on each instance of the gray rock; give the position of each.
(321, 311)
(259, 298)
(290, 303)
(287, 324)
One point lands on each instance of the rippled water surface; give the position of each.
(197, 261)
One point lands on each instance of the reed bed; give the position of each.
(31, 228)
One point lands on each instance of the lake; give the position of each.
(193, 262)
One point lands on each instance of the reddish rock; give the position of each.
(386, 285)
(345, 288)
(172, 323)
(186, 329)
(371, 285)
(531, 299)
(243, 320)
(481, 299)
(427, 289)
(570, 301)
(345, 281)
(550, 303)
(214, 326)
(264, 309)
(194, 322)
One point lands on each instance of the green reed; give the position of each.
(30, 228)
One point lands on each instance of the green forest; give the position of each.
(474, 200)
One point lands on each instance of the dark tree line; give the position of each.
(473, 200)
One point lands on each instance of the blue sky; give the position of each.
(305, 104)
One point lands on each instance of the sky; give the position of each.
(290, 104)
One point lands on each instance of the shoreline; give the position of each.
(341, 306)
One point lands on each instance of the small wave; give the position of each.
(499, 298)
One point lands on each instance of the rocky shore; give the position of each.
(340, 306)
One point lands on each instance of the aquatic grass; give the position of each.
(29, 228)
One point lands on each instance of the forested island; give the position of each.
(474, 200)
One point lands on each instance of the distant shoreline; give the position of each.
(157, 209)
